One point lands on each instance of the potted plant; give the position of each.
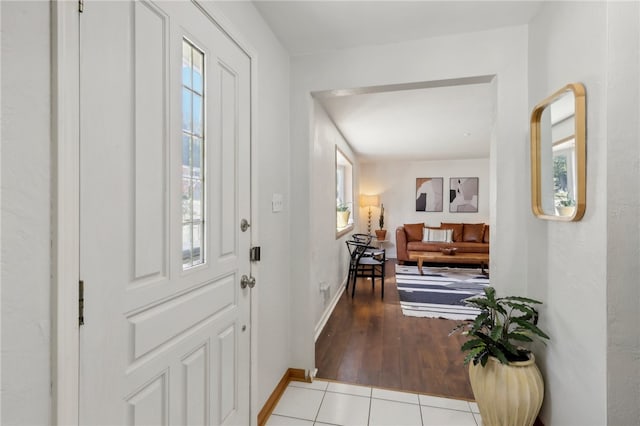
(381, 233)
(342, 215)
(505, 379)
(566, 206)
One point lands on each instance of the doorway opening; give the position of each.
(399, 133)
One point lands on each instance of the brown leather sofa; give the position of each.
(467, 238)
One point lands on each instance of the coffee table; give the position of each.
(421, 257)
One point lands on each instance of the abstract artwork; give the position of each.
(429, 194)
(463, 195)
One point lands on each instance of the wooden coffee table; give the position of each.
(421, 257)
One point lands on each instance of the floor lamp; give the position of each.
(369, 201)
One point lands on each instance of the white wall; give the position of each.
(574, 361)
(586, 272)
(501, 53)
(26, 169)
(329, 255)
(395, 181)
(623, 211)
(271, 156)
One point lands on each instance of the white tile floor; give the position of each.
(331, 403)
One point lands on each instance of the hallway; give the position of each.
(368, 341)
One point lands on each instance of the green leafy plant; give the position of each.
(381, 220)
(567, 203)
(564, 200)
(342, 207)
(502, 325)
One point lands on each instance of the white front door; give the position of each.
(165, 183)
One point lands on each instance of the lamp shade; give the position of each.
(369, 200)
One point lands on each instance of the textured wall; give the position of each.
(329, 255)
(25, 213)
(623, 210)
(568, 43)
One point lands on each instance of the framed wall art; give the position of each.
(429, 194)
(463, 195)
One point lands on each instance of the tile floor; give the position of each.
(331, 403)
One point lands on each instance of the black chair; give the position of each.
(362, 238)
(365, 261)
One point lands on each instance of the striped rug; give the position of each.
(440, 292)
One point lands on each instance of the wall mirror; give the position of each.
(558, 155)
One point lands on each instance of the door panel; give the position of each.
(151, 143)
(162, 344)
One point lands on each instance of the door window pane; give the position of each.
(186, 246)
(187, 110)
(198, 68)
(187, 201)
(196, 156)
(186, 65)
(197, 115)
(193, 146)
(197, 200)
(186, 155)
(197, 244)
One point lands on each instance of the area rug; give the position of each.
(439, 292)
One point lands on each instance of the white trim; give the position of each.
(1, 263)
(65, 219)
(329, 311)
(255, 240)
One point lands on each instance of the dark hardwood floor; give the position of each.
(368, 341)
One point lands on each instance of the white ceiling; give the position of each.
(430, 122)
(450, 121)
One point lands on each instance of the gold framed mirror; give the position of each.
(558, 155)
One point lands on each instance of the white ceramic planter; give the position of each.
(507, 395)
(342, 219)
(565, 210)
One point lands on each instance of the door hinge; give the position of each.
(80, 6)
(255, 254)
(81, 302)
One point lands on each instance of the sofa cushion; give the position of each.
(473, 232)
(413, 231)
(485, 239)
(457, 230)
(437, 235)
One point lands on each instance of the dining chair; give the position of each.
(365, 261)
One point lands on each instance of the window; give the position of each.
(344, 194)
(193, 145)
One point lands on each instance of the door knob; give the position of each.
(246, 281)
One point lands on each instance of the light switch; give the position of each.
(277, 203)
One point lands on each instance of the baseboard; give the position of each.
(329, 311)
(292, 374)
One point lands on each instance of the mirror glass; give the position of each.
(558, 160)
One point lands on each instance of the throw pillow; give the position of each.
(425, 233)
(473, 232)
(457, 230)
(486, 234)
(432, 235)
(413, 231)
